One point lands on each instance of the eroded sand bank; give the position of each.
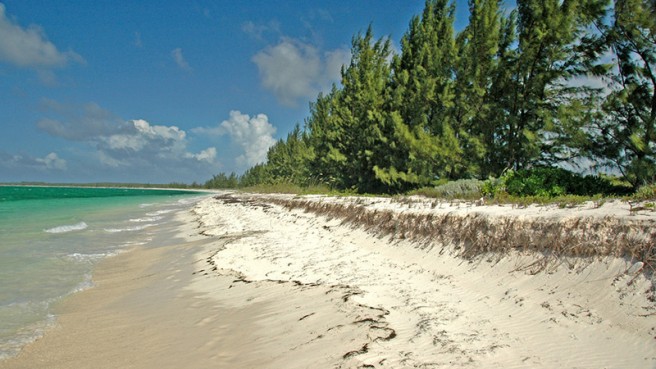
(441, 310)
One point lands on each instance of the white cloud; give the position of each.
(29, 47)
(588, 81)
(52, 161)
(179, 59)
(208, 155)
(122, 143)
(258, 31)
(163, 132)
(145, 142)
(293, 69)
(334, 61)
(253, 135)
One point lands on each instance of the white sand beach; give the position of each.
(259, 283)
(433, 308)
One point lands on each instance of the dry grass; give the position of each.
(474, 234)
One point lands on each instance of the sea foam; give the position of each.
(67, 228)
(89, 258)
(159, 212)
(128, 229)
(146, 219)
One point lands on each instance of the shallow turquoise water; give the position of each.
(51, 238)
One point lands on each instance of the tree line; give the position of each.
(550, 82)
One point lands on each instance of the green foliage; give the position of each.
(491, 187)
(223, 181)
(621, 131)
(631, 106)
(464, 189)
(287, 160)
(552, 50)
(348, 127)
(477, 76)
(646, 192)
(422, 96)
(510, 91)
(257, 174)
(549, 183)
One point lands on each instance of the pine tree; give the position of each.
(478, 64)
(255, 175)
(288, 160)
(502, 97)
(550, 52)
(422, 99)
(614, 125)
(324, 140)
(503, 94)
(628, 132)
(348, 126)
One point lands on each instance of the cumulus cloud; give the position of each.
(207, 155)
(179, 59)
(29, 47)
(52, 161)
(254, 136)
(334, 60)
(118, 142)
(149, 143)
(293, 69)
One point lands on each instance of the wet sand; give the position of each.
(138, 315)
(142, 313)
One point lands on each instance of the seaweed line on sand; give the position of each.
(475, 234)
(372, 318)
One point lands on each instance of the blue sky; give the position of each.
(163, 91)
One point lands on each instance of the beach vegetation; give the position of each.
(464, 189)
(645, 193)
(473, 234)
(514, 95)
(551, 182)
(223, 181)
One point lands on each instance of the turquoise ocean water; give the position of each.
(51, 238)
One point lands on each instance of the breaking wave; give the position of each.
(67, 228)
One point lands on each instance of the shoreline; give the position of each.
(248, 283)
(124, 319)
(145, 311)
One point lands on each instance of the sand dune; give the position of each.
(436, 309)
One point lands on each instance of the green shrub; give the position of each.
(646, 192)
(491, 187)
(548, 183)
(460, 189)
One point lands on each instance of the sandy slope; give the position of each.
(421, 307)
